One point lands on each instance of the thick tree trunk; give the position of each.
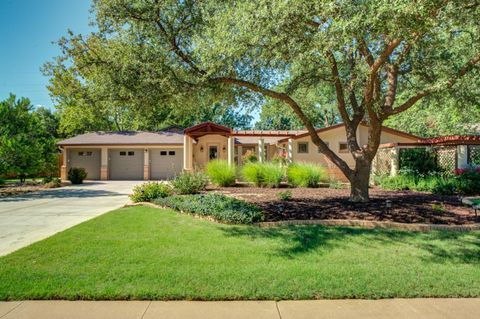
(359, 181)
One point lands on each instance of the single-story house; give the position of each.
(163, 154)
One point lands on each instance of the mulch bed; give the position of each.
(326, 203)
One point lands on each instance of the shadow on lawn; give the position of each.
(440, 246)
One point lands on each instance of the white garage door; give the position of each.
(125, 164)
(165, 163)
(87, 158)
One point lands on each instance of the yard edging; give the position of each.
(371, 224)
(340, 222)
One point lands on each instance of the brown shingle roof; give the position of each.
(125, 138)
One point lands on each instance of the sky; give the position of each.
(27, 30)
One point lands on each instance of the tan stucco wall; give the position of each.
(200, 159)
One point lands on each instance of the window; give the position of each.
(131, 153)
(80, 153)
(342, 147)
(302, 147)
(163, 153)
(123, 153)
(325, 143)
(172, 153)
(212, 152)
(89, 154)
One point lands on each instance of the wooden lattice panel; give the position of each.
(447, 157)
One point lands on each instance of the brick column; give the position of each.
(146, 165)
(63, 168)
(104, 164)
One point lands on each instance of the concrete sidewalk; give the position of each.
(317, 309)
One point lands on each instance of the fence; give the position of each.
(388, 160)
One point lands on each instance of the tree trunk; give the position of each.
(359, 181)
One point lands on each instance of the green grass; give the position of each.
(147, 253)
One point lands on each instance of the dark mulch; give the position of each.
(326, 203)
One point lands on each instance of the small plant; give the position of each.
(53, 183)
(285, 195)
(47, 179)
(190, 183)
(149, 191)
(220, 207)
(221, 173)
(438, 207)
(335, 185)
(76, 175)
(306, 175)
(263, 174)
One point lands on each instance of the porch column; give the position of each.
(104, 164)
(462, 156)
(395, 161)
(231, 151)
(290, 150)
(240, 152)
(261, 150)
(63, 168)
(146, 164)
(187, 153)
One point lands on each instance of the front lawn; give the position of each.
(148, 253)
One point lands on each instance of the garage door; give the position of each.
(165, 163)
(125, 164)
(87, 158)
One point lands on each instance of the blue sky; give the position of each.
(27, 29)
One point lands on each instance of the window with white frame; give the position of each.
(302, 148)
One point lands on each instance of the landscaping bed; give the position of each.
(327, 203)
(10, 189)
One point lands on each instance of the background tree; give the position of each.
(27, 146)
(379, 57)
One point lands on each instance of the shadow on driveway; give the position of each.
(64, 192)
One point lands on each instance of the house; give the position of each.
(164, 154)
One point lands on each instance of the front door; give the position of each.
(212, 152)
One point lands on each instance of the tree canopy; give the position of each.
(378, 57)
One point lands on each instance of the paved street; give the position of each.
(318, 309)
(31, 217)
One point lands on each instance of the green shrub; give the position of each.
(468, 183)
(220, 207)
(249, 157)
(190, 183)
(76, 175)
(53, 183)
(263, 174)
(2, 181)
(399, 182)
(221, 173)
(285, 195)
(419, 160)
(306, 175)
(149, 191)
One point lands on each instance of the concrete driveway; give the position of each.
(31, 217)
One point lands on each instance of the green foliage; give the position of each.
(27, 141)
(190, 183)
(221, 173)
(220, 207)
(149, 191)
(285, 195)
(306, 174)
(249, 157)
(419, 161)
(335, 185)
(464, 184)
(2, 181)
(76, 175)
(263, 174)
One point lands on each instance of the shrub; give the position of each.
(76, 175)
(2, 181)
(249, 157)
(419, 160)
(286, 195)
(263, 174)
(149, 191)
(221, 173)
(53, 183)
(399, 182)
(468, 183)
(220, 207)
(190, 183)
(306, 174)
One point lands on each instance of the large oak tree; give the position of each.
(380, 57)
